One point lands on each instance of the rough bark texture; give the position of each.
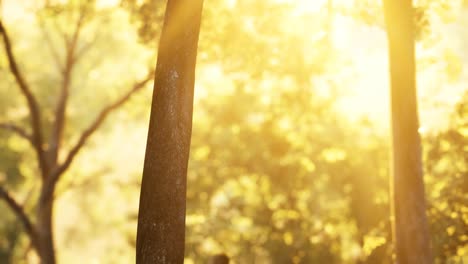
(410, 226)
(161, 219)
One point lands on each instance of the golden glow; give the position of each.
(307, 6)
(304, 5)
(279, 155)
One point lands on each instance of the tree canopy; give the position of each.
(289, 158)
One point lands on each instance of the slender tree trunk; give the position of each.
(161, 219)
(409, 208)
(44, 228)
(219, 259)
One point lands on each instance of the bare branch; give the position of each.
(94, 126)
(60, 30)
(71, 40)
(19, 211)
(18, 130)
(89, 44)
(85, 48)
(50, 44)
(60, 110)
(31, 100)
(75, 184)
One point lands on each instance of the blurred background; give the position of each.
(290, 147)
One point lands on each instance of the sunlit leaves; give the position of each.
(148, 12)
(446, 167)
(277, 173)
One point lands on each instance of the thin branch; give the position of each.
(18, 130)
(89, 44)
(49, 42)
(85, 48)
(31, 100)
(73, 185)
(60, 110)
(60, 30)
(19, 211)
(93, 127)
(98, 121)
(70, 40)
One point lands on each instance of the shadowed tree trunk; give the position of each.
(410, 226)
(219, 259)
(44, 229)
(161, 219)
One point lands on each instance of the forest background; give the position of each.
(290, 147)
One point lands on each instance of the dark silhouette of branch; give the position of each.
(31, 100)
(60, 110)
(18, 130)
(19, 211)
(93, 127)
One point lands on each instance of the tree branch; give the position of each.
(89, 44)
(31, 100)
(18, 130)
(60, 110)
(82, 184)
(86, 47)
(49, 42)
(93, 127)
(19, 211)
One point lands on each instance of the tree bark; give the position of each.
(410, 228)
(161, 219)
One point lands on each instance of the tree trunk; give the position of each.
(161, 219)
(219, 259)
(45, 236)
(410, 227)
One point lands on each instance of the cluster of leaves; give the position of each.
(267, 181)
(446, 165)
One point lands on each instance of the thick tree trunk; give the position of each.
(45, 236)
(410, 224)
(161, 219)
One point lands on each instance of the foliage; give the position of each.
(277, 174)
(446, 169)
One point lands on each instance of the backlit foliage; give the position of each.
(290, 147)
